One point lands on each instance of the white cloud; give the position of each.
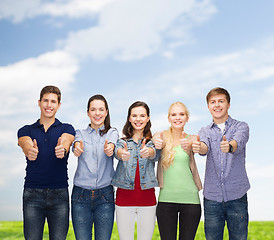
(18, 10)
(25, 78)
(130, 30)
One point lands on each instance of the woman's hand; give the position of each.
(125, 154)
(78, 148)
(108, 148)
(159, 141)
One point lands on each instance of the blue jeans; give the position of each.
(234, 212)
(42, 204)
(92, 206)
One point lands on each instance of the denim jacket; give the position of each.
(125, 172)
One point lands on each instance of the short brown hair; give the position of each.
(51, 89)
(216, 91)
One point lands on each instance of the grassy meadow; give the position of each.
(257, 231)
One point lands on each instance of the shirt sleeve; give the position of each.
(23, 131)
(203, 133)
(69, 129)
(241, 135)
(112, 136)
(78, 138)
(150, 144)
(119, 144)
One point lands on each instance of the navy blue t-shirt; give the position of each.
(47, 171)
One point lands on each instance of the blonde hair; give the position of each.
(168, 153)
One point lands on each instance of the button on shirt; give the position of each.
(95, 169)
(225, 177)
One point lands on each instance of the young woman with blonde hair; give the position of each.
(178, 178)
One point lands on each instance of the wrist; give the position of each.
(65, 152)
(230, 148)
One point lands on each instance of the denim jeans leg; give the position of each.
(58, 213)
(81, 213)
(214, 219)
(237, 218)
(34, 213)
(104, 214)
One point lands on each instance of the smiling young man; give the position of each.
(226, 182)
(46, 145)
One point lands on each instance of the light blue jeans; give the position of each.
(90, 207)
(42, 204)
(234, 212)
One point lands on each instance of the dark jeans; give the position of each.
(92, 206)
(42, 204)
(167, 218)
(234, 212)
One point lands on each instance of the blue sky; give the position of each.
(156, 51)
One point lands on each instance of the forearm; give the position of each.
(26, 144)
(67, 140)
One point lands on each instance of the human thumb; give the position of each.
(35, 143)
(143, 144)
(125, 146)
(59, 141)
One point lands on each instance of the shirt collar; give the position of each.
(90, 129)
(39, 125)
(227, 122)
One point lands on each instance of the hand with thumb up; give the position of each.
(108, 148)
(196, 145)
(224, 145)
(159, 140)
(144, 152)
(78, 148)
(125, 155)
(33, 151)
(60, 151)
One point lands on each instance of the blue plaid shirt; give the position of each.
(225, 176)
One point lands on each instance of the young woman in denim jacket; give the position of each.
(135, 177)
(178, 178)
(92, 197)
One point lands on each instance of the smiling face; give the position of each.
(97, 113)
(49, 105)
(218, 107)
(138, 118)
(178, 116)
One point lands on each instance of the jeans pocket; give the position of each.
(108, 197)
(76, 194)
(29, 193)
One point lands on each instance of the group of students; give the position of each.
(46, 145)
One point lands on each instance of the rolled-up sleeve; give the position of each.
(241, 135)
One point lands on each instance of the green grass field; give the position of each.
(257, 231)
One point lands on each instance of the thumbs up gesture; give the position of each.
(59, 149)
(108, 148)
(33, 151)
(196, 145)
(185, 143)
(125, 153)
(159, 141)
(144, 152)
(78, 148)
(224, 145)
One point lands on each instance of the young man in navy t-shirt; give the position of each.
(46, 145)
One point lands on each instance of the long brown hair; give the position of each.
(128, 129)
(107, 119)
